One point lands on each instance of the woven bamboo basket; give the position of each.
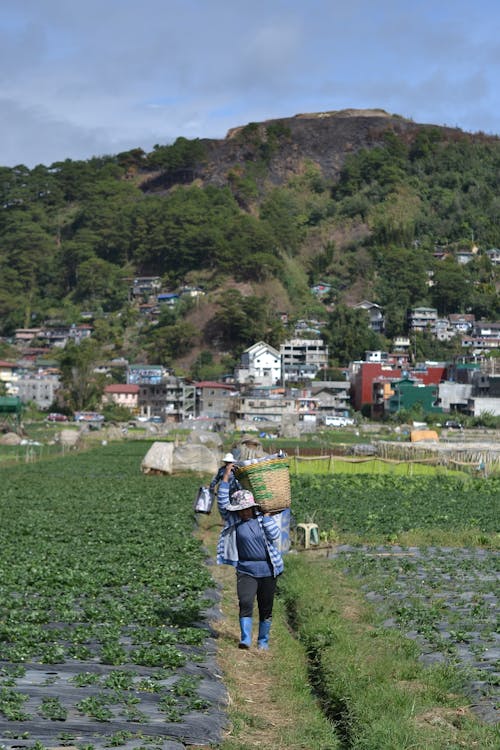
(268, 481)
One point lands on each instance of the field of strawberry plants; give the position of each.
(444, 598)
(387, 505)
(103, 590)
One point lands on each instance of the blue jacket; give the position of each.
(227, 548)
(233, 482)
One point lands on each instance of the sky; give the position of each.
(83, 78)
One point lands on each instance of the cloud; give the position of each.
(80, 79)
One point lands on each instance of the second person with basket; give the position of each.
(247, 542)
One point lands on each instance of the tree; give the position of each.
(451, 291)
(82, 388)
(349, 334)
(241, 321)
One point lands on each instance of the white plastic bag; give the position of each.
(204, 500)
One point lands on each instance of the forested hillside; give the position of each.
(373, 205)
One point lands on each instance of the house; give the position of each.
(144, 286)
(321, 289)
(453, 396)
(401, 345)
(462, 322)
(494, 255)
(371, 381)
(214, 399)
(263, 404)
(408, 392)
(486, 329)
(303, 357)
(170, 299)
(125, 395)
(39, 389)
(8, 371)
(259, 364)
(27, 335)
(422, 319)
(332, 397)
(191, 291)
(465, 256)
(377, 356)
(375, 313)
(443, 330)
(480, 344)
(171, 399)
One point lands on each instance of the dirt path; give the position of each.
(258, 718)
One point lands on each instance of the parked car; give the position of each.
(452, 424)
(56, 417)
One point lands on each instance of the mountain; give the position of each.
(372, 205)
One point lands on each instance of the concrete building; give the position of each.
(125, 395)
(260, 364)
(332, 398)
(263, 404)
(303, 357)
(171, 399)
(454, 396)
(375, 313)
(39, 389)
(422, 319)
(214, 399)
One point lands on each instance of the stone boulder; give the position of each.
(10, 438)
(70, 438)
(211, 440)
(158, 459)
(195, 458)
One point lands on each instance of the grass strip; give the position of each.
(368, 678)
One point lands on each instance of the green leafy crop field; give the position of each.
(389, 505)
(102, 592)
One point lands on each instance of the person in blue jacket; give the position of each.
(233, 482)
(247, 542)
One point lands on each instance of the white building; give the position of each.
(259, 364)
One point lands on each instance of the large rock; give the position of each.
(70, 438)
(10, 438)
(195, 458)
(158, 459)
(211, 440)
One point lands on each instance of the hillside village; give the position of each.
(309, 270)
(270, 385)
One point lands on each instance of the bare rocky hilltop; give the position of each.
(287, 145)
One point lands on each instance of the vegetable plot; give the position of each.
(389, 505)
(444, 599)
(102, 595)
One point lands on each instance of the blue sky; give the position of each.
(81, 79)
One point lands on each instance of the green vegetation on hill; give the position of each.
(256, 208)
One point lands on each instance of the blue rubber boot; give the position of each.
(263, 637)
(246, 632)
